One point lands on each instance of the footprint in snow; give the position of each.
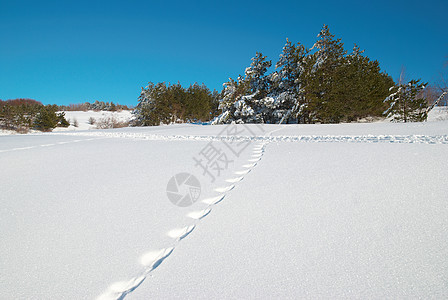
(225, 189)
(198, 215)
(153, 259)
(119, 290)
(244, 172)
(214, 200)
(250, 165)
(234, 180)
(180, 233)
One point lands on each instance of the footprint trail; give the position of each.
(153, 259)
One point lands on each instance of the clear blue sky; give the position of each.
(75, 51)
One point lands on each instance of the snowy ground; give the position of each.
(438, 114)
(82, 118)
(299, 211)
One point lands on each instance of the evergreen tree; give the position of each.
(198, 105)
(7, 116)
(256, 75)
(46, 119)
(325, 76)
(214, 104)
(18, 114)
(361, 87)
(62, 121)
(145, 113)
(244, 100)
(406, 102)
(165, 104)
(288, 82)
(321, 84)
(232, 91)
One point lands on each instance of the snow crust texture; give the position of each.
(153, 259)
(345, 211)
(407, 139)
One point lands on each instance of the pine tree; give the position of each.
(145, 107)
(361, 87)
(250, 106)
(321, 84)
(233, 90)
(406, 103)
(214, 104)
(256, 75)
(62, 122)
(166, 104)
(198, 105)
(324, 78)
(7, 116)
(46, 119)
(289, 83)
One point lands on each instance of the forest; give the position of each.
(321, 84)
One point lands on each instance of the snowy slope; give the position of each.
(438, 113)
(82, 117)
(350, 210)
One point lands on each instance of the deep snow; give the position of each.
(304, 211)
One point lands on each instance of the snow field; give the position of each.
(153, 259)
(82, 117)
(92, 205)
(355, 221)
(352, 210)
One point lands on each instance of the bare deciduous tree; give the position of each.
(442, 85)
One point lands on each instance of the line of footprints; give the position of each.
(153, 259)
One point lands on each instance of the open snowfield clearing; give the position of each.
(83, 118)
(296, 211)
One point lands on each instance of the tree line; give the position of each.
(97, 106)
(163, 103)
(24, 114)
(321, 84)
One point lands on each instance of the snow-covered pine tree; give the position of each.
(406, 103)
(288, 82)
(243, 99)
(329, 50)
(324, 78)
(257, 106)
(232, 90)
(145, 113)
(62, 121)
(321, 84)
(256, 75)
(288, 65)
